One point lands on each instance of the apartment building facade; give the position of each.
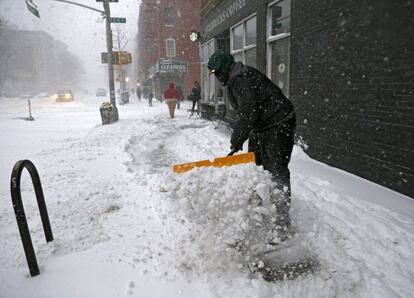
(165, 51)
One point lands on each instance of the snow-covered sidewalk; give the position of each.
(117, 235)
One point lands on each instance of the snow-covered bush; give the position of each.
(230, 212)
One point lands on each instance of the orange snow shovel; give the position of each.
(228, 160)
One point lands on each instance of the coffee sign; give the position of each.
(224, 14)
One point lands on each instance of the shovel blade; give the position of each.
(218, 162)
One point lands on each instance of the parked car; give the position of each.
(101, 92)
(64, 95)
(43, 94)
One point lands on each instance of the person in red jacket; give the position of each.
(171, 96)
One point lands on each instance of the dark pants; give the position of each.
(273, 149)
(194, 104)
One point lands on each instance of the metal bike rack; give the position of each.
(21, 216)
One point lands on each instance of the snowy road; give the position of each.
(117, 235)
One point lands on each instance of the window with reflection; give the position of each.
(278, 41)
(243, 41)
(238, 37)
(250, 57)
(207, 79)
(280, 64)
(280, 18)
(251, 32)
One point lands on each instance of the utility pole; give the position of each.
(122, 43)
(110, 57)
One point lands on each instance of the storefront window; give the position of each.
(280, 64)
(210, 49)
(251, 32)
(278, 40)
(207, 80)
(250, 57)
(238, 57)
(243, 41)
(204, 82)
(238, 37)
(205, 54)
(280, 18)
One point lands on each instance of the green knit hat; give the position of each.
(220, 62)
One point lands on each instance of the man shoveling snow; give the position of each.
(262, 225)
(266, 117)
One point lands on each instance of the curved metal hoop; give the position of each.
(21, 216)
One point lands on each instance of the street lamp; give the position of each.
(195, 36)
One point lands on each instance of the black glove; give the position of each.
(235, 148)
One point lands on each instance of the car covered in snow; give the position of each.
(101, 92)
(63, 95)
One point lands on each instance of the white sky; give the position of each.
(81, 29)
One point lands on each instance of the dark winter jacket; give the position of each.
(171, 92)
(260, 104)
(196, 94)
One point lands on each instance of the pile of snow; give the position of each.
(230, 214)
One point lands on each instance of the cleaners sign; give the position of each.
(172, 66)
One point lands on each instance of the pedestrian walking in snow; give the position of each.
(195, 96)
(171, 97)
(145, 93)
(138, 91)
(150, 96)
(180, 96)
(266, 117)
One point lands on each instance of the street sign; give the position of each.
(32, 8)
(124, 58)
(118, 58)
(104, 58)
(118, 20)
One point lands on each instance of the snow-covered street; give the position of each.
(117, 235)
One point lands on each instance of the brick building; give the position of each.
(348, 66)
(165, 51)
